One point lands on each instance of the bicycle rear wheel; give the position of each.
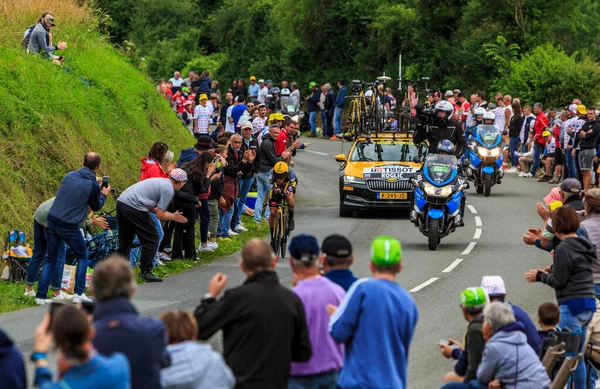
(276, 238)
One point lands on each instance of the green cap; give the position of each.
(386, 251)
(472, 297)
(312, 84)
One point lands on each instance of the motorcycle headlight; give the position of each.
(353, 180)
(431, 190)
(482, 151)
(495, 152)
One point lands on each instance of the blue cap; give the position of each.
(269, 82)
(304, 247)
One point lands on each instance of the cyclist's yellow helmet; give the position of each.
(280, 170)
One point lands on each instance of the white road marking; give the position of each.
(477, 234)
(315, 152)
(424, 284)
(469, 248)
(478, 222)
(472, 209)
(452, 265)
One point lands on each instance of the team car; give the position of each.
(376, 173)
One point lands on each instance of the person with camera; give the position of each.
(436, 125)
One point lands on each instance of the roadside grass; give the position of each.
(11, 294)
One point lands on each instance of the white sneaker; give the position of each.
(159, 262)
(41, 301)
(232, 232)
(214, 245)
(511, 170)
(29, 294)
(521, 174)
(81, 298)
(63, 296)
(240, 228)
(527, 175)
(206, 248)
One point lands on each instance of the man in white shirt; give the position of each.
(177, 82)
(262, 92)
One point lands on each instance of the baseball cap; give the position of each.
(592, 196)
(276, 116)
(493, 285)
(546, 133)
(304, 247)
(449, 93)
(386, 251)
(203, 97)
(555, 205)
(473, 297)
(179, 175)
(581, 109)
(336, 246)
(312, 84)
(185, 89)
(252, 78)
(571, 185)
(573, 108)
(456, 90)
(261, 81)
(269, 82)
(245, 124)
(204, 143)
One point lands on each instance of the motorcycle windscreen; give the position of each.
(440, 168)
(488, 135)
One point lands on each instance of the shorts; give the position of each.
(274, 197)
(586, 159)
(559, 157)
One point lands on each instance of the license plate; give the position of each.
(392, 195)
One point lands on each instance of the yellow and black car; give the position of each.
(376, 172)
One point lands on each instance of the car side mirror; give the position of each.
(340, 158)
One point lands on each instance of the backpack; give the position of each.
(25, 41)
(592, 343)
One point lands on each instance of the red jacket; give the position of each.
(151, 169)
(282, 142)
(541, 123)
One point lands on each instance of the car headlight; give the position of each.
(431, 190)
(353, 180)
(482, 151)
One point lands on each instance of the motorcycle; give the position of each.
(485, 159)
(438, 194)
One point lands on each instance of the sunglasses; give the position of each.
(236, 141)
(50, 19)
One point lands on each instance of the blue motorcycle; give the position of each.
(438, 194)
(485, 159)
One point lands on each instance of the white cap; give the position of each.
(493, 285)
(449, 93)
(573, 108)
(261, 81)
(245, 124)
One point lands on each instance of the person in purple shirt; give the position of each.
(315, 292)
(336, 259)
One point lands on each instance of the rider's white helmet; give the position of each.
(445, 106)
(489, 115)
(479, 111)
(285, 92)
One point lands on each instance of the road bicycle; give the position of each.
(280, 228)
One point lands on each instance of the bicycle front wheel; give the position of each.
(276, 238)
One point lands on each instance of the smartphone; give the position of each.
(105, 181)
(443, 342)
(54, 307)
(216, 158)
(88, 307)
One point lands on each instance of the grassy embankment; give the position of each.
(50, 117)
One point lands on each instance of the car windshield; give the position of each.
(488, 134)
(386, 151)
(440, 167)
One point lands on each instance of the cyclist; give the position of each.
(283, 184)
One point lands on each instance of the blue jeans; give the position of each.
(570, 164)
(73, 238)
(321, 381)
(160, 231)
(224, 223)
(337, 120)
(538, 149)
(575, 324)
(324, 122)
(241, 200)
(312, 119)
(38, 256)
(514, 147)
(264, 186)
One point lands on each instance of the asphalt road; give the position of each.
(489, 244)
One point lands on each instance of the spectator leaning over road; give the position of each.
(193, 365)
(340, 101)
(541, 124)
(312, 105)
(267, 160)
(571, 276)
(336, 259)
(588, 137)
(247, 178)
(79, 366)
(376, 321)
(315, 292)
(508, 362)
(591, 226)
(472, 303)
(133, 215)
(78, 192)
(263, 323)
(496, 291)
(39, 40)
(120, 328)
(11, 364)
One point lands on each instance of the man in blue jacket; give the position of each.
(120, 328)
(376, 321)
(340, 101)
(78, 193)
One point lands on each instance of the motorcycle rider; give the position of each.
(440, 127)
(478, 119)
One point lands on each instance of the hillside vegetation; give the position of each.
(50, 117)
